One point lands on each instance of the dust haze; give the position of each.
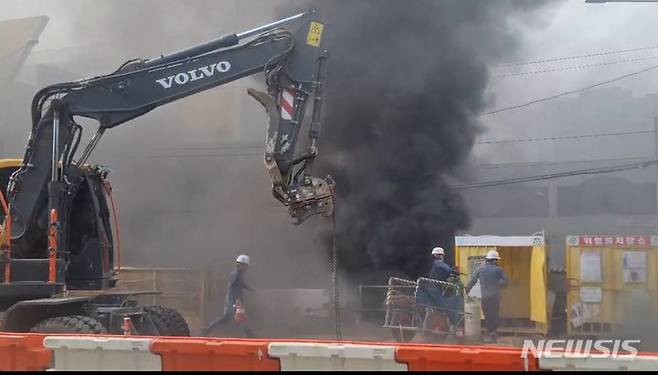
(407, 80)
(189, 177)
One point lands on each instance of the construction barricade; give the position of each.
(23, 352)
(464, 358)
(296, 356)
(91, 353)
(593, 363)
(94, 353)
(214, 355)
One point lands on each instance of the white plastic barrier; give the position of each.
(102, 353)
(310, 356)
(638, 363)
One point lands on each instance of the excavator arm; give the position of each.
(294, 66)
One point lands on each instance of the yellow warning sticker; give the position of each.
(315, 34)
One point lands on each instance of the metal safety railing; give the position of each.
(405, 313)
(360, 309)
(401, 295)
(400, 301)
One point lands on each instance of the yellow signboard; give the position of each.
(315, 34)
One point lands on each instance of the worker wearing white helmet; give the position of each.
(242, 259)
(492, 279)
(431, 294)
(440, 270)
(492, 255)
(233, 298)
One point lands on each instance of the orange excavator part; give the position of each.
(6, 238)
(52, 247)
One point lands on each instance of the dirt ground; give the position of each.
(365, 331)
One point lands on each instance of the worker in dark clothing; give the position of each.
(233, 298)
(440, 270)
(492, 279)
(432, 294)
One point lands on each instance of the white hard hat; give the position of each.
(242, 259)
(493, 254)
(438, 251)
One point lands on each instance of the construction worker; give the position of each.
(233, 298)
(440, 270)
(432, 294)
(492, 279)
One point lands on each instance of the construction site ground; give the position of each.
(372, 332)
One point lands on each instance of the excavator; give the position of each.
(57, 266)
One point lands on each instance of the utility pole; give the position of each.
(655, 155)
(655, 119)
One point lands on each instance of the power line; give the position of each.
(218, 147)
(591, 171)
(597, 54)
(565, 137)
(553, 97)
(187, 156)
(556, 175)
(545, 164)
(576, 67)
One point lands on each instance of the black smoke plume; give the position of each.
(405, 86)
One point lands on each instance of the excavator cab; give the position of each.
(31, 300)
(88, 238)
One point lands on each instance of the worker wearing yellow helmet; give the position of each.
(492, 279)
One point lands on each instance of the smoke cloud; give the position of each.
(406, 82)
(405, 85)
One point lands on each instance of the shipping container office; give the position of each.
(525, 302)
(612, 283)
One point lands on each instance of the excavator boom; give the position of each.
(293, 64)
(53, 173)
(61, 237)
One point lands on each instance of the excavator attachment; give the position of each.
(315, 198)
(300, 80)
(304, 195)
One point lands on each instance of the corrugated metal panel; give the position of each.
(610, 277)
(526, 283)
